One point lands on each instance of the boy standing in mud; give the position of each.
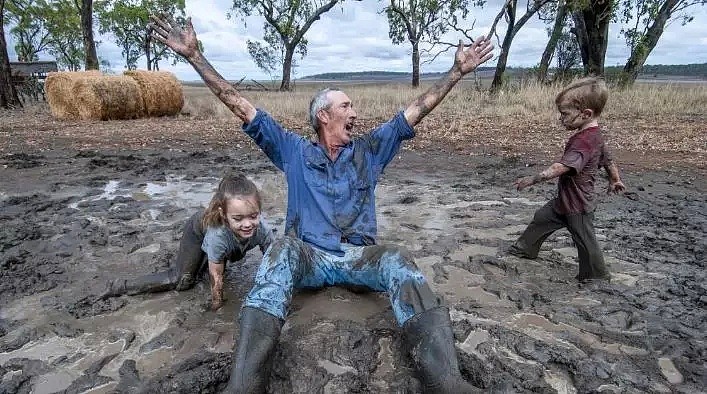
(580, 104)
(331, 222)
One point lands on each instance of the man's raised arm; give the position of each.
(184, 42)
(465, 61)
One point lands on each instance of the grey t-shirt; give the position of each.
(221, 244)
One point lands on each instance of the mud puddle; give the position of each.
(70, 221)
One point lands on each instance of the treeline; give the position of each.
(376, 75)
(578, 33)
(698, 70)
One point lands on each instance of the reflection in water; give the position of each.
(175, 191)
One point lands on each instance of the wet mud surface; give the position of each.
(72, 220)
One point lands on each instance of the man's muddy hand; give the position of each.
(467, 59)
(167, 31)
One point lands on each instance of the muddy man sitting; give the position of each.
(331, 223)
(228, 228)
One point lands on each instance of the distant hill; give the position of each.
(684, 70)
(377, 75)
(698, 70)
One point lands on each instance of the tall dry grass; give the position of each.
(648, 119)
(530, 100)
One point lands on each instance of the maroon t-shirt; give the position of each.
(585, 153)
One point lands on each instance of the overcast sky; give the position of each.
(354, 37)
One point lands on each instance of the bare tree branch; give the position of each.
(492, 31)
(448, 45)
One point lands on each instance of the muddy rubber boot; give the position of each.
(150, 283)
(429, 339)
(254, 352)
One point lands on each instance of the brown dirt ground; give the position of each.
(638, 142)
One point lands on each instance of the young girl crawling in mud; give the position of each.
(228, 228)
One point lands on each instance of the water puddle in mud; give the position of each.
(174, 190)
(335, 303)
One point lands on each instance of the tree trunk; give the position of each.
(148, 52)
(497, 82)
(580, 32)
(89, 44)
(287, 67)
(555, 35)
(8, 93)
(643, 48)
(415, 64)
(592, 30)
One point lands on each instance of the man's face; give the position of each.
(339, 118)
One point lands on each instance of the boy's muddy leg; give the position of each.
(591, 258)
(545, 222)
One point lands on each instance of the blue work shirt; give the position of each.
(330, 202)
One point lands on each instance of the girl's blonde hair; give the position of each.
(231, 186)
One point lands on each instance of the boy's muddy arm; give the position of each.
(555, 170)
(615, 184)
(184, 42)
(465, 61)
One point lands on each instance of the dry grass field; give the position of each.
(652, 125)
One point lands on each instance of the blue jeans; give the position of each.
(291, 263)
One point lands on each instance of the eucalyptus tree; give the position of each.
(8, 93)
(513, 25)
(286, 23)
(558, 14)
(63, 22)
(63, 28)
(85, 8)
(127, 21)
(591, 27)
(645, 21)
(28, 29)
(419, 21)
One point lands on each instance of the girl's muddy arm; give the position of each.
(555, 170)
(216, 274)
(184, 42)
(465, 61)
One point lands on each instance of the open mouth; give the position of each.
(349, 126)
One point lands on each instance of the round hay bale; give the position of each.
(108, 97)
(59, 90)
(161, 92)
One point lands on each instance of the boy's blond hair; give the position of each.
(585, 93)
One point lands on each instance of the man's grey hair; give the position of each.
(319, 101)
